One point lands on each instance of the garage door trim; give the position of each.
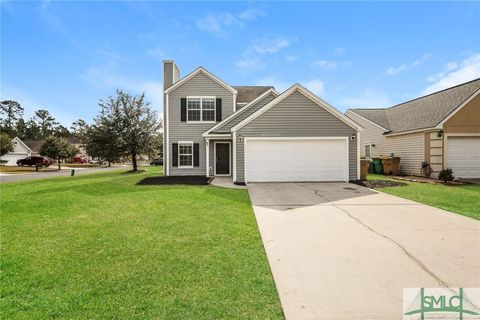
(246, 139)
(454, 135)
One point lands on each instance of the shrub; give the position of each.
(446, 175)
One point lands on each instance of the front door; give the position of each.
(222, 158)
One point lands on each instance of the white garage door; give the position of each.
(296, 159)
(463, 156)
(12, 158)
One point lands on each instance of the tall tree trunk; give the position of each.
(109, 163)
(134, 161)
(58, 160)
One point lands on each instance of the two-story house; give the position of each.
(254, 133)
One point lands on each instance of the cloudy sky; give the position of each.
(65, 56)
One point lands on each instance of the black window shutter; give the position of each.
(218, 110)
(174, 154)
(183, 109)
(196, 155)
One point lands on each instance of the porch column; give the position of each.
(207, 143)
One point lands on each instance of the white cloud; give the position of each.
(249, 64)
(328, 64)
(291, 58)
(253, 58)
(316, 86)
(157, 53)
(393, 71)
(218, 23)
(455, 73)
(105, 78)
(368, 98)
(269, 45)
(339, 51)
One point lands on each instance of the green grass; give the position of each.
(462, 199)
(100, 247)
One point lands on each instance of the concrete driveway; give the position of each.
(340, 251)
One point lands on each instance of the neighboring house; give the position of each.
(442, 128)
(254, 133)
(20, 151)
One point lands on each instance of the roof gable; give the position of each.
(308, 94)
(206, 73)
(20, 146)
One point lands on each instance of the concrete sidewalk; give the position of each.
(351, 258)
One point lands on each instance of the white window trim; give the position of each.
(229, 159)
(201, 108)
(179, 165)
(367, 143)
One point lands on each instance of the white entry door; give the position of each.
(463, 156)
(296, 159)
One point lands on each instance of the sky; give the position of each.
(64, 56)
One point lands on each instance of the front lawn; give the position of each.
(463, 199)
(101, 247)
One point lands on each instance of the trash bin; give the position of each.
(377, 165)
(390, 165)
(364, 164)
(72, 173)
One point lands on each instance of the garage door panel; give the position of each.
(463, 156)
(296, 160)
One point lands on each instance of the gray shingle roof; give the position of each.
(246, 94)
(423, 112)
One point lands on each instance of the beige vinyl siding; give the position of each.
(199, 85)
(372, 134)
(296, 116)
(225, 128)
(411, 150)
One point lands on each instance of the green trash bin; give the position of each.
(377, 165)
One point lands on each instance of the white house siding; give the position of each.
(372, 134)
(296, 116)
(19, 152)
(199, 85)
(410, 148)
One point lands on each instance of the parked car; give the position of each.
(156, 162)
(79, 160)
(34, 161)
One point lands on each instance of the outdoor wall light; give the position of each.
(240, 138)
(352, 137)
(440, 133)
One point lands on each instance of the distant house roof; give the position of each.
(246, 94)
(34, 145)
(424, 112)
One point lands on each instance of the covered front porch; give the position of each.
(219, 156)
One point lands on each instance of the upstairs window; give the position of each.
(200, 109)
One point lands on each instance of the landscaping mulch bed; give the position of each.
(426, 180)
(169, 180)
(375, 184)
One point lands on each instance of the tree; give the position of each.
(79, 128)
(132, 121)
(6, 144)
(32, 130)
(58, 148)
(11, 112)
(62, 131)
(102, 143)
(21, 129)
(45, 121)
